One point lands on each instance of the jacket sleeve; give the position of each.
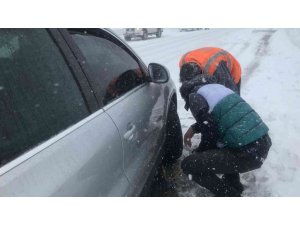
(199, 108)
(236, 70)
(224, 77)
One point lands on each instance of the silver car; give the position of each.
(81, 115)
(142, 33)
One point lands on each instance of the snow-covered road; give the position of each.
(270, 60)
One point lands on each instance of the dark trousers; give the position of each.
(205, 165)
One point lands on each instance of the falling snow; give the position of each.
(270, 83)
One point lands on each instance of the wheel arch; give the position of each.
(173, 99)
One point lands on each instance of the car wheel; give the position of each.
(145, 35)
(158, 34)
(128, 38)
(173, 145)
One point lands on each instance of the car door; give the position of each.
(151, 30)
(54, 141)
(135, 105)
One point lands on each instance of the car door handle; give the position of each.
(130, 131)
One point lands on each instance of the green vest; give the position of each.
(238, 123)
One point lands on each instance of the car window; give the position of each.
(38, 95)
(115, 71)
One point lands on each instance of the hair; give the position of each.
(189, 71)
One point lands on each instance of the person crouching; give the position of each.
(241, 137)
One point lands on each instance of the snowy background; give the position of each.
(270, 60)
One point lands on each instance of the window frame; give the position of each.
(117, 41)
(76, 70)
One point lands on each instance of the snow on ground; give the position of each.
(270, 59)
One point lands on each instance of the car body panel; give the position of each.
(140, 119)
(85, 160)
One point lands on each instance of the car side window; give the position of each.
(38, 94)
(114, 69)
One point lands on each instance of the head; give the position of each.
(193, 85)
(189, 71)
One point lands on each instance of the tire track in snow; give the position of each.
(261, 52)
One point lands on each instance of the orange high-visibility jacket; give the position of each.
(208, 59)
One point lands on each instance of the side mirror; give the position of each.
(158, 73)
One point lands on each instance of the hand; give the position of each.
(188, 136)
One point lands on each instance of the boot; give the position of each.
(233, 180)
(217, 186)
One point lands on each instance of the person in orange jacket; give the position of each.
(221, 68)
(208, 59)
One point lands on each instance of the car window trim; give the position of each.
(77, 73)
(80, 58)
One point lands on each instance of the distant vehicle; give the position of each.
(142, 33)
(82, 115)
(189, 29)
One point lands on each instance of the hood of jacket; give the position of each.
(193, 85)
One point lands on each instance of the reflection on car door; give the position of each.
(140, 125)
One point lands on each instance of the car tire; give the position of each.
(158, 34)
(127, 38)
(145, 35)
(173, 145)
